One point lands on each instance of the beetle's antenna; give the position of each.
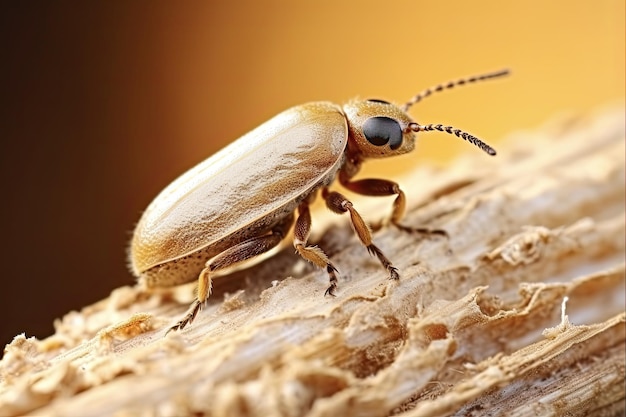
(453, 131)
(453, 84)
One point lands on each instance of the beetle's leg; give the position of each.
(242, 251)
(340, 204)
(379, 187)
(312, 254)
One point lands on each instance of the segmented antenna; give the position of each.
(453, 131)
(453, 84)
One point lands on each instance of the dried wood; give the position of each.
(520, 312)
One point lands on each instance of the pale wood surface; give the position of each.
(520, 312)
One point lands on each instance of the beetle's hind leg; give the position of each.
(312, 254)
(340, 204)
(379, 187)
(240, 252)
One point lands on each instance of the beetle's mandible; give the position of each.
(242, 201)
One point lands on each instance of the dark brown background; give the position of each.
(104, 104)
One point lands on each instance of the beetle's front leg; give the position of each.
(243, 251)
(312, 254)
(340, 204)
(379, 187)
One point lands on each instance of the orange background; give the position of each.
(107, 103)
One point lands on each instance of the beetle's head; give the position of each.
(379, 129)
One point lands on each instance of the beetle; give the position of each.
(242, 201)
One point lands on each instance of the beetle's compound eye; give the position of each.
(382, 130)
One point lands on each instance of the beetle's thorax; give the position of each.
(377, 129)
(351, 165)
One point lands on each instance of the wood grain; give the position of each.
(519, 312)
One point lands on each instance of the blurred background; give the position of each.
(103, 104)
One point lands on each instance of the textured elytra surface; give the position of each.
(519, 312)
(262, 171)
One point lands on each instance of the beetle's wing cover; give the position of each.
(254, 176)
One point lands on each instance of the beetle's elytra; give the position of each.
(242, 201)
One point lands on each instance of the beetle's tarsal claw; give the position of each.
(195, 308)
(331, 290)
(332, 275)
(393, 273)
(176, 327)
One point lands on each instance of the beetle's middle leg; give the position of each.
(312, 254)
(240, 252)
(340, 204)
(378, 187)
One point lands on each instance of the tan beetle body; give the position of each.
(240, 202)
(254, 182)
